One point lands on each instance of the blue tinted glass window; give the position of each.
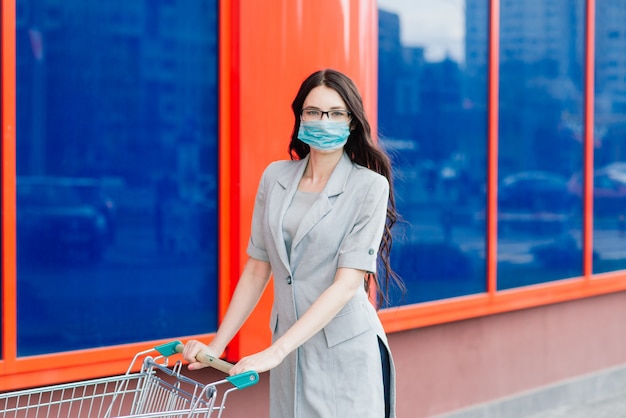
(116, 172)
(609, 190)
(540, 141)
(432, 120)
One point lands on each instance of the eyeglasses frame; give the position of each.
(348, 113)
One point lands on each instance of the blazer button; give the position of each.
(371, 251)
(288, 279)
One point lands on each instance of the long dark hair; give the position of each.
(362, 150)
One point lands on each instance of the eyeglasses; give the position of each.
(336, 115)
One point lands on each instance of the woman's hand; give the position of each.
(191, 351)
(259, 362)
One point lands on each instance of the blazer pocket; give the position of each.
(346, 326)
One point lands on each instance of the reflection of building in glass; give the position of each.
(439, 106)
(610, 81)
(476, 49)
(541, 63)
(548, 33)
(610, 58)
(399, 76)
(541, 83)
(143, 94)
(543, 31)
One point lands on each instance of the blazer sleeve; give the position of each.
(256, 244)
(359, 250)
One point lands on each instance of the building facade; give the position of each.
(135, 133)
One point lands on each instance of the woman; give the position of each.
(320, 222)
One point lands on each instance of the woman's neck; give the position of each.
(319, 169)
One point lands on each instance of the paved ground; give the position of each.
(612, 407)
(597, 395)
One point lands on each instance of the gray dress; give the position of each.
(337, 372)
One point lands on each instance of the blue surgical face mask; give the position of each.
(324, 135)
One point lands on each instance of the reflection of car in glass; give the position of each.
(609, 188)
(535, 201)
(91, 191)
(59, 217)
(563, 252)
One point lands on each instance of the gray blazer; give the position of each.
(337, 373)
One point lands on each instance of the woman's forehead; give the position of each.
(324, 97)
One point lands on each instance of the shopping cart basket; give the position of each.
(156, 390)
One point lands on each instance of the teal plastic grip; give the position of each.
(244, 380)
(168, 349)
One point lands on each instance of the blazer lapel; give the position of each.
(281, 196)
(334, 187)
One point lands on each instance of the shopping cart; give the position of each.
(156, 390)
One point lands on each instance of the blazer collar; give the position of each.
(335, 184)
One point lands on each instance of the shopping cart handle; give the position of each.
(240, 381)
(245, 379)
(205, 358)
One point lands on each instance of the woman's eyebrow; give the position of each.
(319, 108)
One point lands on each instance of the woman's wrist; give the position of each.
(280, 348)
(215, 350)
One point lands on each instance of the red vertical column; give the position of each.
(492, 144)
(229, 173)
(9, 317)
(588, 121)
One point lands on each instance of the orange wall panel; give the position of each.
(280, 44)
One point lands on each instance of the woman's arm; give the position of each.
(250, 287)
(345, 285)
